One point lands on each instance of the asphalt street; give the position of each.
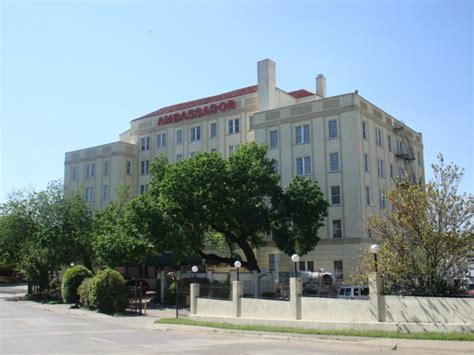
(26, 328)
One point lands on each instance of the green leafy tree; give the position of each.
(235, 202)
(427, 234)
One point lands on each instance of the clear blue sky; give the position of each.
(73, 74)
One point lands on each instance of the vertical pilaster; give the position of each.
(237, 293)
(296, 291)
(194, 294)
(376, 298)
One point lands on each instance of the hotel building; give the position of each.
(352, 148)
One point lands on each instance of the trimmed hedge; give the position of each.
(105, 292)
(72, 279)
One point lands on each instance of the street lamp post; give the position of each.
(295, 258)
(374, 249)
(237, 265)
(194, 269)
(321, 270)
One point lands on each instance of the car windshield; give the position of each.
(341, 292)
(348, 291)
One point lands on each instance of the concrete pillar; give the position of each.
(376, 298)
(162, 285)
(255, 283)
(266, 85)
(296, 292)
(237, 293)
(194, 294)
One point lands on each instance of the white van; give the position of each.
(351, 292)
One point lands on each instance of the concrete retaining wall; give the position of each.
(258, 308)
(215, 307)
(429, 309)
(337, 310)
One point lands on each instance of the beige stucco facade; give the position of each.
(350, 146)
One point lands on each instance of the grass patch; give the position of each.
(343, 332)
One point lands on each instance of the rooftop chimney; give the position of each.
(266, 85)
(321, 85)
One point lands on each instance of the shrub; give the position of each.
(72, 279)
(106, 292)
(83, 293)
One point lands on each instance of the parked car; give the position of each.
(142, 285)
(353, 292)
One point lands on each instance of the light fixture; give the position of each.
(374, 249)
(237, 265)
(295, 258)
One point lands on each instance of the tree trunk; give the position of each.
(251, 264)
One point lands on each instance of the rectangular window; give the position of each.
(302, 134)
(179, 157)
(231, 149)
(179, 136)
(105, 192)
(335, 195)
(90, 170)
(337, 228)
(310, 266)
(334, 161)
(418, 156)
(161, 140)
(303, 166)
(234, 126)
(145, 143)
(213, 130)
(129, 167)
(338, 270)
(143, 188)
(302, 266)
(144, 167)
(273, 139)
(399, 146)
(106, 167)
(193, 154)
(378, 137)
(367, 195)
(272, 262)
(400, 172)
(380, 168)
(195, 134)
(366, 162)
(389, 139)
(364, 130)
(332, 129)
(391, 170)
(275, 166)
(382, 199)
(74, 173)
(89, 194)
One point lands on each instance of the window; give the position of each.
(106, 167)
(418, 156)
(334, 161)
(389, 139)
(179, 136)
(310, 266)
(195, 134)
(89, 194)
(380, 168)
(337, 229)
(338, 270)
(303, 166)
(143, 188)
(179, 157)
(213, 149)
(399, 146)
(332, 129)
(335, 195)
(382, 199)
(161, 140)
(391, 170)
(302, 266)
(90, 170)
(366, 162)
(364, 130)
(193, 154)
(302, 134)
(272, 262)
(378, 137)
(213, 130)
(145, 143)
(74, 173)
(367, 195)
(275, 166)
(400, 172)
(129, 167)
(231, 149)
(273, 139)
(105, 192)
(234, 126)
(144, 167)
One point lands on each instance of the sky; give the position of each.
(75, 73)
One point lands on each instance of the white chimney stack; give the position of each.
(266, 85)
(321, 85)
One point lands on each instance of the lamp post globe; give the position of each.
(295, 258)
(194, 269)
(237, 265)
(374, 249)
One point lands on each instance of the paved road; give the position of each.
(27, 328)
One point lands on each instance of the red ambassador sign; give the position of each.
(197, 112)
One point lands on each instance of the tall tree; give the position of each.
(427, 234)
(238, 201)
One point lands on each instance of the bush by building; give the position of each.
(72, 279)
